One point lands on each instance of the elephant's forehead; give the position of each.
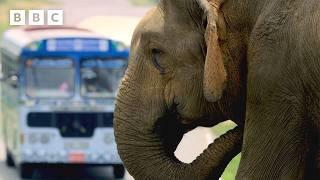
(180, 36)
(167, 22)
(153, 21)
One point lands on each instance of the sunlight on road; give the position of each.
(193, 144)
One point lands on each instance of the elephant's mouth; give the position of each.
(172, 126)
(191, 115)
(205, 120)
(171, 130)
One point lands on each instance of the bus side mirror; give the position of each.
(13, 80)
(1, 77)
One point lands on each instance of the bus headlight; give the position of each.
(41, 153)
(62, 154)
(116, 158)
(107, 157)
(27, 153)
(32, 138)
(108, 138)
(94, 157)
(44, 138)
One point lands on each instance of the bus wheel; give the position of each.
(25, 170)
(9, 160)
(118, 171)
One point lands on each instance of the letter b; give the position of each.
(36, 17)
(17, 17)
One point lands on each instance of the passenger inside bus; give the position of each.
(50, 78)
(100, 78)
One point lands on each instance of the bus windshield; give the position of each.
(100, 77)
(50, 78)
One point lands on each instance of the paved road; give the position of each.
(190, 147)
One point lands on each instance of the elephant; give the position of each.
(162, 96)
(200, 62)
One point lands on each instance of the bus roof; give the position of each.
(15, 39)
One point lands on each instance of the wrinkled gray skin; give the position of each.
(264, 68)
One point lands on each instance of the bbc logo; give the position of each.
(36, 17)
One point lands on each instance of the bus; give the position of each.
(58, 91)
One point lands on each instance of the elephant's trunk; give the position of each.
(148, 154)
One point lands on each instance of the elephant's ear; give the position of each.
(215, 75)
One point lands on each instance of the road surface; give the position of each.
(190, 147)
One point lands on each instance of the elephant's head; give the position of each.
(179, 77)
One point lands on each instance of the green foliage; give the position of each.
(2, 27)
(231, 170)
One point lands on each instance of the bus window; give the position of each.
(100, 77)
(47, 78)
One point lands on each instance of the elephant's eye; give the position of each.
(156, 55)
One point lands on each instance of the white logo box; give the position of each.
(36, 17)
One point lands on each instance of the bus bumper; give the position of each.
(97, 150)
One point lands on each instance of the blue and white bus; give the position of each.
(58, 92)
